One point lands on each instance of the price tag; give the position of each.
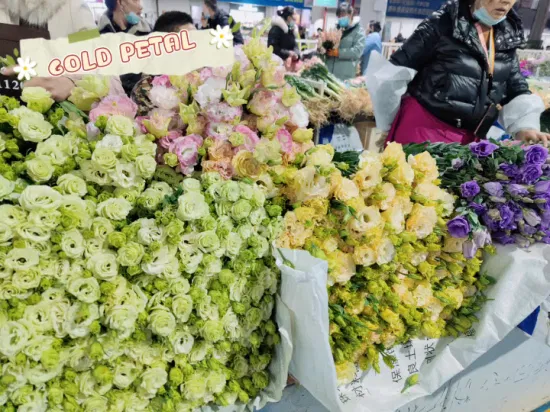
(10, 86)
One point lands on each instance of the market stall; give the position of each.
(195, 255)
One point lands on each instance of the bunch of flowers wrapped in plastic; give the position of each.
(503, 190)
(237, 120)
(124, 286)
(394, 271)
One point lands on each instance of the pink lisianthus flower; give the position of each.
(219, 131)
(205, 74)
(250, 138)
(167, 140)
(223, 167)
(223, 112)
(162, 80)
(220, 150)
(186, 148)
(262, 103)
(110, 105)
(164, 97)
(139, 121)
(285, 138)
(221, 71)
(210, 92)
(297, 148)
(157, 124)
(240, 56)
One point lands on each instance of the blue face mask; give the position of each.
(291, 25)
(484, 17)
(343, 21)
(132, 18)
(206, 16)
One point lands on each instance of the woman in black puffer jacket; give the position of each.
(283, 33)
(467, 68)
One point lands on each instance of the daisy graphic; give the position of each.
(222, 37)
(25, 69)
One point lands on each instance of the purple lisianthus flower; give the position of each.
(507, 218)
(516, 210)
(458, 227)
(491, 219)
(542, 187)
(531, 217)
(510, 170)
(529, 173)
(502, 238)
(483, 148)
(494, 189)
(522, 241)
(469, 189)
(536, 154)
(528, 230)
(481, 238)
(543, 201)
(478, 208)
(469, 249)
(517, 190)
(457, 163)
(545, 220)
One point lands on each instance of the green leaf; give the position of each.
(16, 52)
(236, 28)
(230, 20)
(10, 60)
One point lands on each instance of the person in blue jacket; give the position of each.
(374, 43)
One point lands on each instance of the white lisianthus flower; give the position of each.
(13, 338)
(125, 374)
(158, 263)
(146, 166)
(161, 321)
(84, 289)
(150, 232)
(33, 129)
(22, 259)
(72, 243)
(6, 187)
(12, 215)
(182, 342)
(164, 97)
(40, 197)
(103, 265)
(120, 125)
(112, 142)
(151, 381)
(114, 209)
(80, 318)
(71, 184)
(125, 175)
(192, 206)
(182, 306)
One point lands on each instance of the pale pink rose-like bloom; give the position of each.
(111, 105)
(92, 131)
(221, 71)
(220, 150)
(219, 131)
(285, 138)
(223, 112)
(299, 115)
(298, 148)
(164, 97)
(158, 122)
(250, 138)
(223, 167)
(194, 78)
(139, 121)
(186, 148)
(210, 92)
(205, 74)
(167, 140)
(263, 102)
(162, 80)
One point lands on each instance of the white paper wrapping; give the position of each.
(386, 84)
(523, 283)
(278, 369)
(522, 113)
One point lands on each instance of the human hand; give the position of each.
(531, 136)
(59, 87)
(333, 53)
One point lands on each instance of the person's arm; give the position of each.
(369, 47)
(274, 40)
(419, 48)
(516, 84)
(357, 47)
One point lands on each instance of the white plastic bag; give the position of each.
(522, 113)
(523, 282)
(386, 84)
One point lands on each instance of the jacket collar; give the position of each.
(278, 21)
(106, 21)
(35, 12)
(508, 34)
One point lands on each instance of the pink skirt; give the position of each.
(414, 124)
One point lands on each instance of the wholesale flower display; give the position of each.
(395, 273)
(124, 286)
(503, 190)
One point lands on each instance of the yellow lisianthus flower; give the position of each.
(393, 153)
(344, 189)
(425, 167)
(246, 165)
(320, 155)
(341, 266)
(422, 220)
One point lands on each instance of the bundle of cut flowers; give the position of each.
(330, 40)
(238, 120)
(502, 189)
(124, 286)
(395, 272)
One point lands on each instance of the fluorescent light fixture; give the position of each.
(248, 7)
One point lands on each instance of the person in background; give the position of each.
(213, 17)
(373, 43)
(283, 33)
(60, 18)
(123, 16)
(174, 22)
(400, 38)
(342, 62)
(466, 68)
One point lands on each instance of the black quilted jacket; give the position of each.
(452, 81)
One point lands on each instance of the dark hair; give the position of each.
(211, 4)
(170, 21)
(376, 27)
(286, 12)
(110, 4)
(344, 8)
